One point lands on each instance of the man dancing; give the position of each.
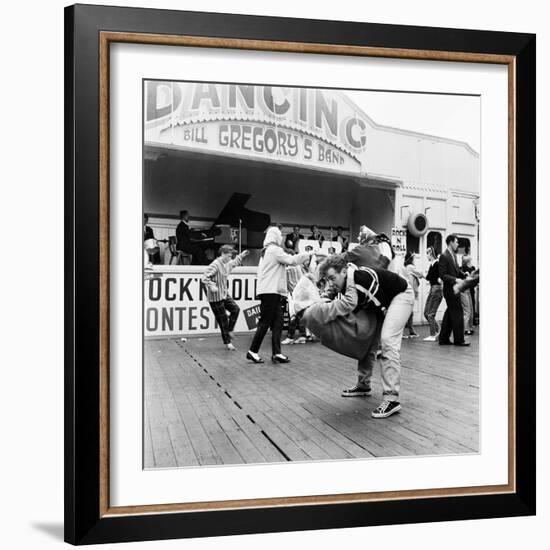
(338, 323)
(221, 302)
(392, 299)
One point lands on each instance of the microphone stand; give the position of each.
(240, 230)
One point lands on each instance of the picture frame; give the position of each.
(89, 517)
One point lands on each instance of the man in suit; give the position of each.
(292, 239)
(450, 274)
(187, 240)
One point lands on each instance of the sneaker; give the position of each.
(300, 340)
(280, 358)
(404, 337)
(254, 357)
(386, 408)
(356, 391)
(430, 339)
(414, 335)
(287, 341)
(311, 339)
(230, 347)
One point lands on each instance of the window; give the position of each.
(434, 239)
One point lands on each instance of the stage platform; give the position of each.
(208, 406)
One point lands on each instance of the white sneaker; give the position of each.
(230, 347)
(300, 340)
(287, 341)
(430, 339)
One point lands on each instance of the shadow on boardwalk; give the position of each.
(206, 406)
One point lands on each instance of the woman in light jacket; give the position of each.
(272, 292)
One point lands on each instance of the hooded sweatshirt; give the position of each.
(271, 269)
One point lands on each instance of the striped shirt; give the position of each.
(293, 274)
(216, 275)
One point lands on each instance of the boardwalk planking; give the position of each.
(205, 405)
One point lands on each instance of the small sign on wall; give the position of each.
(399, 240)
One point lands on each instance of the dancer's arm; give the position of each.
(291, 259)
(238, 260)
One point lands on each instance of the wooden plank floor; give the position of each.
(207, 406)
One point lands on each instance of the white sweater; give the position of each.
(271, 270)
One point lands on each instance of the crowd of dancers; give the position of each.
(358, 303)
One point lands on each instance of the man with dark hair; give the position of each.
(151, 245)
(316, 235)
(187, 240)
(291, 240)
(221, 302)
(340, 238)
(392, 298)
(450, 274)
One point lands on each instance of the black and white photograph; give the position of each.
(311, 267)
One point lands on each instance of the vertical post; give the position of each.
(240, 238)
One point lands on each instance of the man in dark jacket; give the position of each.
(392, 298)
(187, 240)
(450, 274)
(149, 235)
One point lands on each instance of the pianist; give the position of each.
(188, 240)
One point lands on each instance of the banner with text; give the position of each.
(316, 128)
(176, 303)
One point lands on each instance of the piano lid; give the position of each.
(235, 210)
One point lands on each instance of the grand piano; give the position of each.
(233, 218)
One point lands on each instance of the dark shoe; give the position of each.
(463, 344)
(280, 358)
(254, 357)
(444, 343)
(386, 408)
(356, 391)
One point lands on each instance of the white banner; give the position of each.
(175, 301)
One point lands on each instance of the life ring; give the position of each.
(417, 224)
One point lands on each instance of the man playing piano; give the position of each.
(188, 240)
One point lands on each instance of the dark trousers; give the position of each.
(227, 324)
(199, 257)
(409, 324)
(155, 258)
(432, 305)
(272, 307)
(453, 319)
(295, 323)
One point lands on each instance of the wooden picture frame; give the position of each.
(89, 33)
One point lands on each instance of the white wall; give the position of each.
(31, 404)
(421, 160)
